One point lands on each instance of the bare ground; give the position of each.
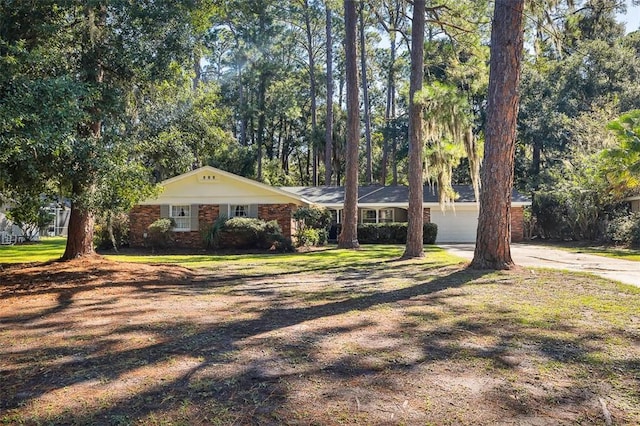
(99, 342)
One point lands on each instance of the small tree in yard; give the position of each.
(313, 224)
(30, 215)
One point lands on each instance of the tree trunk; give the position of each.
(262, 88)
(312, 88)
(328, 143)
(365, 98)
(389, 112)
(415, 215)
(348, 237)
(493, 249)
(80, 230)
(81, 218)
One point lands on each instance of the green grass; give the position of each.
(612, 252)
(372, 256)
(329, 257)
(49, 248)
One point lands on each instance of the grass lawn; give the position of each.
(325, 337)
(49, 248)
(613, 252)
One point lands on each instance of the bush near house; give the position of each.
(250, 233)
(160, 233)
(314, 222)
(389, 233)
(625, 230)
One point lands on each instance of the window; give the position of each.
(240, 210)
(385, 215)
(181, 215)
(336, 216)
(369, 216)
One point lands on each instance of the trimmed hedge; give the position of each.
(250, 233)
(388, 233)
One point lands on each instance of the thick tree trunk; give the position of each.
(365, 101)
(328, 136)
(414, 247)
(348, 237)
(80, 230)
(493, 250)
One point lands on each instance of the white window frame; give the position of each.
(389, 219)
(365, 219)
(234, 209)
(181, 215)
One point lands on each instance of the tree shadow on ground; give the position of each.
(246, 367)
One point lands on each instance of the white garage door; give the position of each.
(457, 226)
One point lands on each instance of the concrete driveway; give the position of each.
(625, 271)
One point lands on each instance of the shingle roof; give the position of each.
(376, 194)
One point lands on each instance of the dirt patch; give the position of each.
(99, 342)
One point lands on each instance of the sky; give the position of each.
(632, 18)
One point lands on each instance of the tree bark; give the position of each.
(81, 218)
(493, 250)
(262, 88)
(414, 247)
(348, 237)
(312, 89)
(80, 230)
(328, 136)
(365, 100)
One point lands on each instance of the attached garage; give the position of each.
(457, 225)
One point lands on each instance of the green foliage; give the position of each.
(430, 233)
(251, 233)
(29, 213)
(160, 233)
(308, 237)
(625, 230)
(568, 214)
(111, 231)
(313, 226)
(390, 233)
(622, 163)
(211, 233)
(315, 217)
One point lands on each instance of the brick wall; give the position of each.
(517, 224)
(140, 218)
(283, 213)
(426, 215)
(143, 216)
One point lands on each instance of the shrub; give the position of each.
(119, 224)
(389, 233)
(625, 230)
(429, 233)
(244, 232)
(314, 223)
(313, 217)
(211, 233)
(160, 233)
(307, 237)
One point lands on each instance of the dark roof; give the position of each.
(376, 194)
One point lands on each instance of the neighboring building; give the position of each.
(197, 198)
(11, 233)
(635, 203)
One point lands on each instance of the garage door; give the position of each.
(457, 226)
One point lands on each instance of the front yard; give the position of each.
(325, 337)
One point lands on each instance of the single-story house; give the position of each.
(196, 198)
